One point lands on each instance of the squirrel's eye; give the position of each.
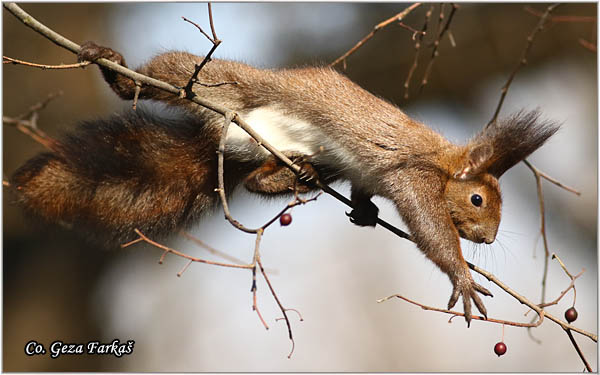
(476, 200)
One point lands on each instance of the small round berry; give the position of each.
(500, 348)
(285, 219)
(476, 200)
(571, 315)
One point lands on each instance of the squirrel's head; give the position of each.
(472, 192)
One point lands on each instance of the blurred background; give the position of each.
(57, 286)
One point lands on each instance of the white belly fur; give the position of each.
(287, 133)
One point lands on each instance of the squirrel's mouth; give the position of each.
(474, 237)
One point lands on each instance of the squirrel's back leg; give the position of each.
(218, 79)
(273, 177)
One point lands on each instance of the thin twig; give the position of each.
(398, 17)
(564, 292)
(215, 41)
(475, 317)
(211, 249)
(229, 117)
(551, 179)
(283, 309)
(522, 60)
(436, 43)
(585, 362)
(527, 302)
(212, 25)
(538, 182)
(561, 18)
(253, 289)
(136, 94)
(167, 250)
(197, 68)
(184, 268)
(199, 28)
(418, 43)
(26, 122)
(255, 304)
(588, 45)
(412, 29)
(9, 60)
(40, 105)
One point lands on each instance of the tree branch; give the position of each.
(398, 17)
(522, 61)
(10, 60)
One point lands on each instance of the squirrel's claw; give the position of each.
(482, 290)
(469, 292)
(307, 174)
(364, 214)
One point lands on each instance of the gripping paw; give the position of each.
(90, 51)
(466, 288)
(364, 213)
(308, 174)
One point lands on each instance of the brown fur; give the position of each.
(159, 176)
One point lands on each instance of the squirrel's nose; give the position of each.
(488, 240)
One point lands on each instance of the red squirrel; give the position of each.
(158, 172)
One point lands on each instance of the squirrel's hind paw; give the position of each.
(90, 51)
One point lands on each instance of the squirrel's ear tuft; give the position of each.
(513, 139)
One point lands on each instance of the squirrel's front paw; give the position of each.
(466, 288)
(90, 51)
(364, 213)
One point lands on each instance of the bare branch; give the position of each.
(533, 306)
(26, 122)
(167, 250)
(585, 362)
(418, 42)
(211, 249)
(540, 194)
(591, 46)
(538, 176)
(523, 60)
(561, 18)
(212, 25)
(215, 41)
(475, 317)
(550, 179)
(200, 28)
(283, 309)
(9, 60)
(436, 44)
(398, 17)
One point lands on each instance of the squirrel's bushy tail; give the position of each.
(129, 171)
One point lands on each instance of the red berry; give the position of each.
(285, 219)
(500, 348)
(571, 315)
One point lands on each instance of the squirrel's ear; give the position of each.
(476, 161)
(513, 139)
